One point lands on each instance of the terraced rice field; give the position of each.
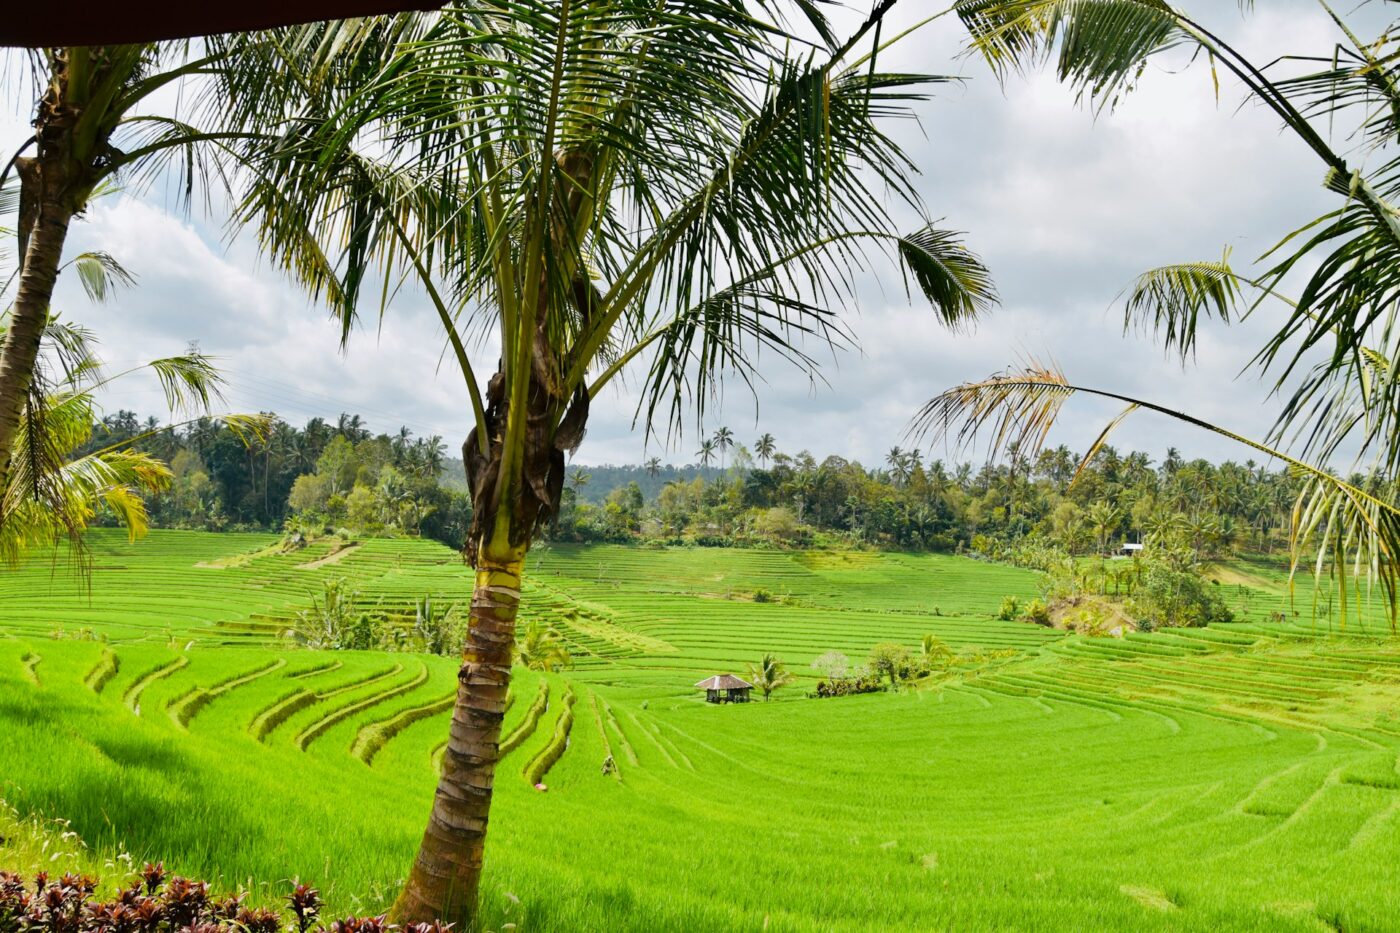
(1238, 777)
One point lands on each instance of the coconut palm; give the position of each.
(764, 448)
(653, 467)
(769, 674)
(53, 492)
(557, 173)
(724, 439)
(707, 452)
(100, 115)
(1104, 520)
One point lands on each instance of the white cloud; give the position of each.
(1066, 206)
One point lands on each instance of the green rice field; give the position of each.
(1241, 777)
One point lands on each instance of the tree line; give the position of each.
(326, 474)
(926, 503)
(338, 474)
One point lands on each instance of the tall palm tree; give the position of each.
(707, 452)
(653, 467)
(764, 448)
(555, 171)
(724, 439)
(770, 674)
(99, 116)
(897, 462)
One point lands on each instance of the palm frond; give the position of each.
(951, 277)
(1344, 523)
(190, 381)
(100, 274)
(1172, 301)
(1103, 45)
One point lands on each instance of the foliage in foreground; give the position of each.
(156, 902)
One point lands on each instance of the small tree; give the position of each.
(769, 674)
(833, 665)
(890, 660)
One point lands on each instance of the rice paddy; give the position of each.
(1237, 777)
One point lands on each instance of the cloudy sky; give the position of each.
(1065, 206)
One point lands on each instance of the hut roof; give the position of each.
(723, 682)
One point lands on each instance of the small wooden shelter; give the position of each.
(725, 688)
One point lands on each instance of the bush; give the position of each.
(1167, 598)
(1037, 612)
(896, 663)
(1010, 608)
(155, 902)
(762, 596)
(833, 665)
(848, 686)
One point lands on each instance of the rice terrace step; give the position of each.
(1152, 753)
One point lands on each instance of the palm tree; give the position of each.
(934, 651)
(724, 439)
(764, 448)
(653, 467)
(53, 492)
(769, 674)
(98, 117)
(1349, 258)
(578, 479)
(542, 648)
(896, 461)
(1104, 519)
(706, 453)
(554, 172)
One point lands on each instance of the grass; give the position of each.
(1241, 777)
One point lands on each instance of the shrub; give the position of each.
(833, 665)
(848, 686)
(1168, 598)
(896, 663)
(334, 622)
(1037, 612)
(762, 596)
(156, 902)
(1010, 608)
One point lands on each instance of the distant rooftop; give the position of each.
(723, 682)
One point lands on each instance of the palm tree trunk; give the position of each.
(447, 872)
(43, 251)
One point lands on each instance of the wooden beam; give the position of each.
(109, 22)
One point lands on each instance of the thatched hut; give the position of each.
(725, 688)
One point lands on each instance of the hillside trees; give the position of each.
(554, 175)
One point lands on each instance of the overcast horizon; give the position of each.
(1066, 207)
